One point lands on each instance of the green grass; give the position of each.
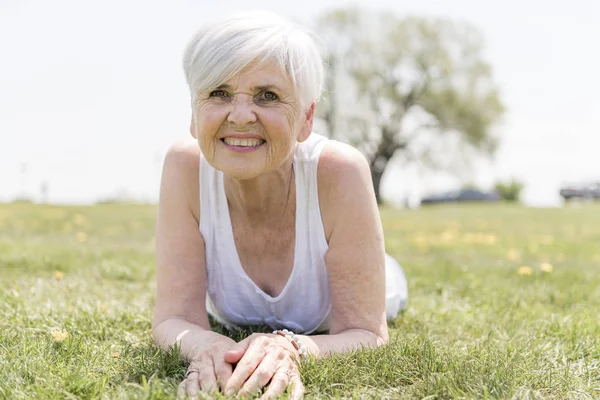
(77, 288)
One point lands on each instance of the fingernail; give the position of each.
(229, 392)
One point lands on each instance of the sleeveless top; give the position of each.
(232, 298)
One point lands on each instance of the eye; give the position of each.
(270, 96)
(218, 93)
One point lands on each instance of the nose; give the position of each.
(241, 113)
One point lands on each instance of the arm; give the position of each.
(356, 257)
(180, 311)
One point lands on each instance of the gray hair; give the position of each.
(222, 49)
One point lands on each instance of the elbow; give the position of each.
(373, 339)
(156, 333)
(160, 333)
(381, 340)
(381, 335)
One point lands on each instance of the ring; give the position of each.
(190, 371)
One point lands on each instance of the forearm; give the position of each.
(351, 339)
(189, 337)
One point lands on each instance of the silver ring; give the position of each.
(190, 371)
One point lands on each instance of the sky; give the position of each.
(92, 93)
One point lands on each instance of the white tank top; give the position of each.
(233, 298)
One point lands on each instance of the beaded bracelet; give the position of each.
(294, 340)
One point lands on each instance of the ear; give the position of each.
(307, 124)
(193, 131)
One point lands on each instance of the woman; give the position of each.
(263, 222)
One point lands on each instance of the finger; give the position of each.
(207, 378)
(192, 384)
(297, 388)
(181, 389)
(263, 373)
(247, 365)
(223, 371)
(279, 383)
(237, 351)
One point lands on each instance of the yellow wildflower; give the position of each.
(79, 219)
(420, 238)
(59, 275)
(525, 270)
(489, 239)
(512, 255)
(116, 354)
(81, 237)
(101, 307)
(447, 236)
(546, 267)
(59, 335)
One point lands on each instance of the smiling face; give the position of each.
(250, 124)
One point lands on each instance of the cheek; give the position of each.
(207, 116)
(293, 121)
(284, 133)
(208, 124)
(284, 120)
(209, 121)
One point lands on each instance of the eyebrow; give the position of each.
(259, 87)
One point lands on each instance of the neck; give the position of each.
(263, 198)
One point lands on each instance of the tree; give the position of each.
(510, 191)
(406, 85)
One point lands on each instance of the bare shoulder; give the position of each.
(340, 159)
(180, 173)
(342, 168)
(184, 154)
(344, 182)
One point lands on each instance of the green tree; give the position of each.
(404, 86)
(510, 191)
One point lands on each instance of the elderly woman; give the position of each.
(263, 222)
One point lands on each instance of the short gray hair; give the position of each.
(222, 49)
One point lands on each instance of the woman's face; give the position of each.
(250, 124)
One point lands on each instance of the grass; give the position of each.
(504, 303)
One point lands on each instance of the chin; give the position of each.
(241, 176)
(242, 172)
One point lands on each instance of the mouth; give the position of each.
(237, 142)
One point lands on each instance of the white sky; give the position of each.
(92, 92)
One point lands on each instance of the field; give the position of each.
(504, 303)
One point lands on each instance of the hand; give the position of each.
(262, 358)
(210, 370)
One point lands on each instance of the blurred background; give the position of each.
(501, 100)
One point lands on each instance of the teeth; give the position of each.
(243, 142)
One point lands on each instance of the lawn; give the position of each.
(504, 303)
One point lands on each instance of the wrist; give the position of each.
(295, 340)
